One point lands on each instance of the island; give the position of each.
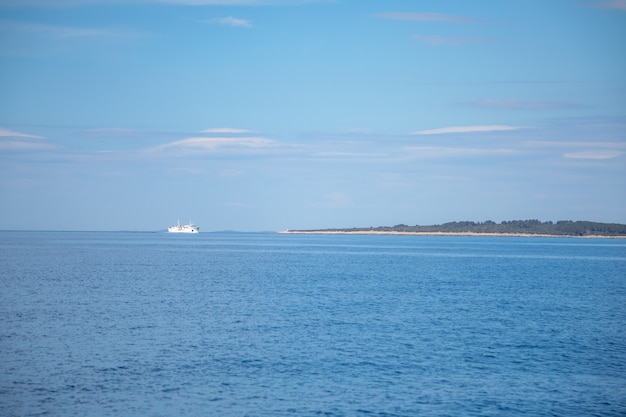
(562, 228)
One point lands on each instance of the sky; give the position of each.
(266, 115)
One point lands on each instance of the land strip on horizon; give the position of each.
(524, 228)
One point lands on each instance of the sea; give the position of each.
(265, 324)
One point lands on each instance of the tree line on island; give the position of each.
(531, 227)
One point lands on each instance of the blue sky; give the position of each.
(266, 115)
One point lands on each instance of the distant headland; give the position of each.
(562, 228)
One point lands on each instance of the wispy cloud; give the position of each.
(19, 141)
(524, 105)
(214, 144)
(436, 18)
(229, 21)
(11, 134)
(425, 17)
(594, 154)
(466, 129)
(610, 4)
(589, 149)
(442, 40)
(575, 144)
(128, 132)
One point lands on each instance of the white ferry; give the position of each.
(183, 228)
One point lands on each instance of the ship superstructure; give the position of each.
(183, 228)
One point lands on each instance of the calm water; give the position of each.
(151, 324)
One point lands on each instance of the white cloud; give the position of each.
(574, 144)
(12, 134)
(583, 149)
(212, 144)
(466, 129)
(18, 141)
(225, 130)
(594, 154)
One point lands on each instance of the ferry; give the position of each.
(183, 228)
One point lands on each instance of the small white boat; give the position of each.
(183, 228)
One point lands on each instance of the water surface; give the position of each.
(151, 324)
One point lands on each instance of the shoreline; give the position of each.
(482, 234)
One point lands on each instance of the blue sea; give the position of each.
(236, 324)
